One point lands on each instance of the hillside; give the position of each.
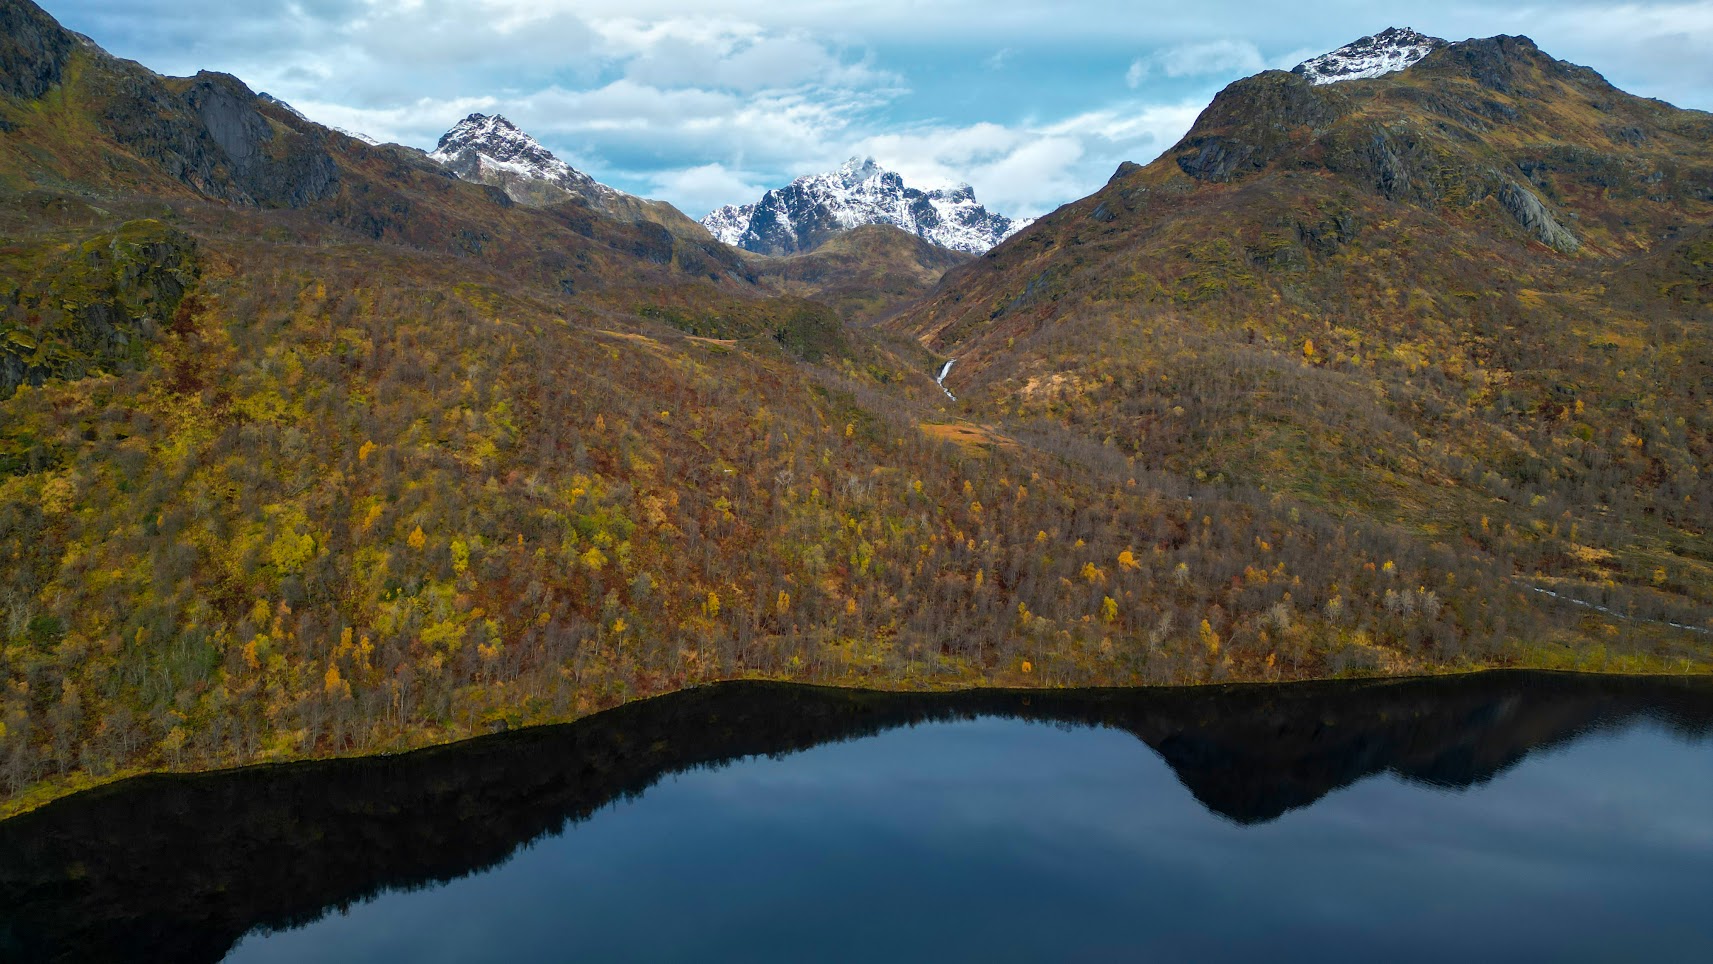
(310, 448)
(1468, 299)
(865, 273)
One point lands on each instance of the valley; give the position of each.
(312, 447)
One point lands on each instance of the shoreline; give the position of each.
(49, 793)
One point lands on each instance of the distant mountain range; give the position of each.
(795, 219)
(805, 213)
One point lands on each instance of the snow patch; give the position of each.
(1387, 52)
(268, 98)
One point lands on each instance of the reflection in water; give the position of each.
(179, 868)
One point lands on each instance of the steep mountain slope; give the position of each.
(1468, 299)
(317, 449)
(492, 150)
(804, 214)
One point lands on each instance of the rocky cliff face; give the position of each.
(206, 131)
(807, 212)
(33, 50)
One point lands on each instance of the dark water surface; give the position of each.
(1502, 816)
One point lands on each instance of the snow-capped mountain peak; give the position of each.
(1391, 50)
(492, 150)
(495, 144)
(809, 210)
(858, 169)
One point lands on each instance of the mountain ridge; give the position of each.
(805, 213)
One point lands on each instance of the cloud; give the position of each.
(698, 190)
(1214, 57)
(739, 57)
(1035, 176)
(1030, 168)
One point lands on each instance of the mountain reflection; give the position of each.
(179, 868)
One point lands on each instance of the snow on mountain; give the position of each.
(809, 210)
(266, 97)
(1389, 51)
(359, 135)
(493, 150)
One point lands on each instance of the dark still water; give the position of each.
(1503, 816)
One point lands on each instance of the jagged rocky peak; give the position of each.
(498, 144)
(492, 150)
(1389, 51)
(807, 212)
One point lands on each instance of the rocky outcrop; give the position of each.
(206, 131)
(212, 136)
(1254, 122)
(96, 308)
(33, 50)
(1533, 215)
(1492, 62)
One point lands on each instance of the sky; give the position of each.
(709, 102)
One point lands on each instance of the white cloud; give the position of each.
(1214, 57)
(698, 190)
(737, 57)
(1136, 123)
(1038, 175)
(1028, 169)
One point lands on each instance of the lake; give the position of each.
(1494, 816)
